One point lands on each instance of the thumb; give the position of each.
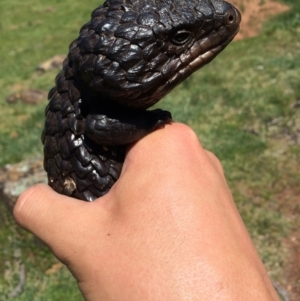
(56, 219)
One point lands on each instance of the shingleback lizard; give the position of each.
(126, 58)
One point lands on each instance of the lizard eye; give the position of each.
(181, 37)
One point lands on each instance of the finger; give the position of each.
(181, 140)
(171, 146)
(173, 154)
(169, 156)
(174, 140)
(56, 219)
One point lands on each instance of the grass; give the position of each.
(31, 32)
(240, 105)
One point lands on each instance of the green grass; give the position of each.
(239, 105)
(31, 32)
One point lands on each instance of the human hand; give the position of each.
(167, 230)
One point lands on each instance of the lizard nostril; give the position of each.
(233, 17)
(230, 17)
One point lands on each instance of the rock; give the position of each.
(13, 98)
(15, 178)
(295, 105)
(29, 96)
(54, 62)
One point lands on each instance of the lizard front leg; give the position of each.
(123, 129)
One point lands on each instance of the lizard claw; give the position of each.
(161, 117)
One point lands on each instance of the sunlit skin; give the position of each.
(167, 230)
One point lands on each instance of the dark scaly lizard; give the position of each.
(130, 55)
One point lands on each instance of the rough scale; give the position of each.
(126, 58)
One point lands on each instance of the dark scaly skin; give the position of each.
(130, 55)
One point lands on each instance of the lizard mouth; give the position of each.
(201, 53)
(208, 55)
(199, 60)
(204, 51)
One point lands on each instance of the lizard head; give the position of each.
(134, 52)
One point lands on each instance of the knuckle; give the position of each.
(215, 161)
(183, 135)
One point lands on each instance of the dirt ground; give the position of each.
(254, 13)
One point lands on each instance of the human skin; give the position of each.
(167, 230)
